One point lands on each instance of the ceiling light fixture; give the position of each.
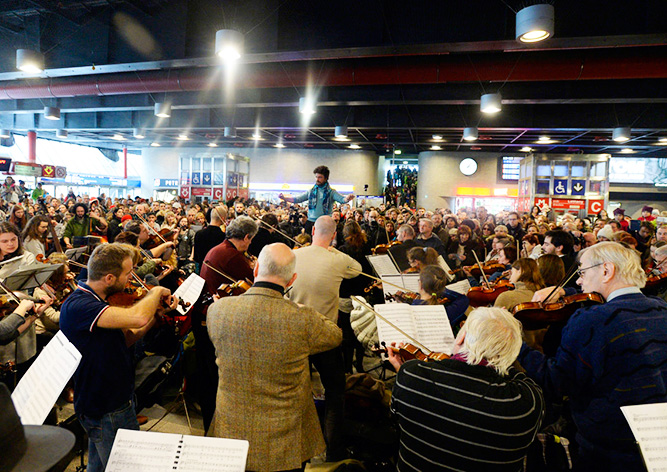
(257, 136)
(397, 151)
(52, 113)
(437, 137)
(138, 133)
(155, 144)
(230, 132)
(621, 134)
(627, 151)
(535, 23)
(29, 61)
(435, 147)
(307, 105)
(212, 145)
(405, 162)
(662, 141)
(491, 103)
(340, 131)
(279, 145)
(229, 45)
(526, 149)
(183, 137)
(162, 109)
(471, 133)
(5, 133)
(118, 137)
(354, 146)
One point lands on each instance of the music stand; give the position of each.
(75, 254)
(30, 276)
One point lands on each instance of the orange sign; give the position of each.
(48, 171)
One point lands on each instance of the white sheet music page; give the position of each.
(433, 328)
(462, 287)
(649, 426)
(41, 386)
(400, 315)
(383, 265)
(189, 291)
(405, 282)
(143, 451)
(443, 264)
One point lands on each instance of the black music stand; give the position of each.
(30, 276)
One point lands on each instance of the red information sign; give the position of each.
(231, 193)
(48, 171)
(542, 202)
(217, 193)
(185, 192)
(595, 206)
(243, 193)
(201, 191)
(567, 204)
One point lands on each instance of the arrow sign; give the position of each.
(578, 187)
(207, 178)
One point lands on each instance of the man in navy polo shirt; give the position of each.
(104, 380)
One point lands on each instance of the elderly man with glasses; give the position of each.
(610, 355)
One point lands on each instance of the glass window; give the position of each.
(578, 169)
(544, 170)
(560, 169)
(598, 169)
(542, 187)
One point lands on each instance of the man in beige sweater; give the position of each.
(321, 269)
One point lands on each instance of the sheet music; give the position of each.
(383, 265)
(409, 282)
(400, 315)
(461, 287)
(433, 328)
(442, 263)
(649, 426)
(189, 291)
(40, 387)
(143, 451)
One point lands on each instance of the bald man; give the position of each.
(282, 429)
(321, 269)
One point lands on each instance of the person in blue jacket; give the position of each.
(610, 355)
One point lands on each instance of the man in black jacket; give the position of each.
(406, 235)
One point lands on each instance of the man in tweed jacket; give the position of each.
(262, 343)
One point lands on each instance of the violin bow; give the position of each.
(368, 307)
(151, 229)
(481, 269)
(563, 282)
(260, 221)
(219, 272)
(380, 280)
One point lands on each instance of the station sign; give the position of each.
(185, 192)
(201, 192)
(567, 204)
(165, 183)
(595, 206)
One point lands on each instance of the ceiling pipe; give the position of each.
(610, 64)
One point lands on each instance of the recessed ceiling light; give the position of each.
(397, 151)
(118, 137)
(155, 144)
(212, 145)
(437, 137)
(279, 145)
(342, 138)
(405, 162)
(435, 147)
(257, 136)
(662, 141)
(545, 140)
(183, 137)
(526, 149)
(627, 151)
(354, 146)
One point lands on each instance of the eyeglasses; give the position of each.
(580, 272)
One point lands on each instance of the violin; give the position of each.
(409, 351)
(484, 296)
(410, 297)
(652, 281)
(384, 248)
(538, 315)
(490, 267)
(252, 260)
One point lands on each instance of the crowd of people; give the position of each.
(304, 260)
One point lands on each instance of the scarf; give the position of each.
(326, 202)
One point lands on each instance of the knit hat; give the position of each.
(606, 232)
(619, 211)
(125, 218)
(647, 208)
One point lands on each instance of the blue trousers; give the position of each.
(102, 432)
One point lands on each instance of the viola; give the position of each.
(234, 289)
(538, 315)
(409, 351)
(484, 296)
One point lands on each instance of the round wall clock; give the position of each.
(468, 166)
